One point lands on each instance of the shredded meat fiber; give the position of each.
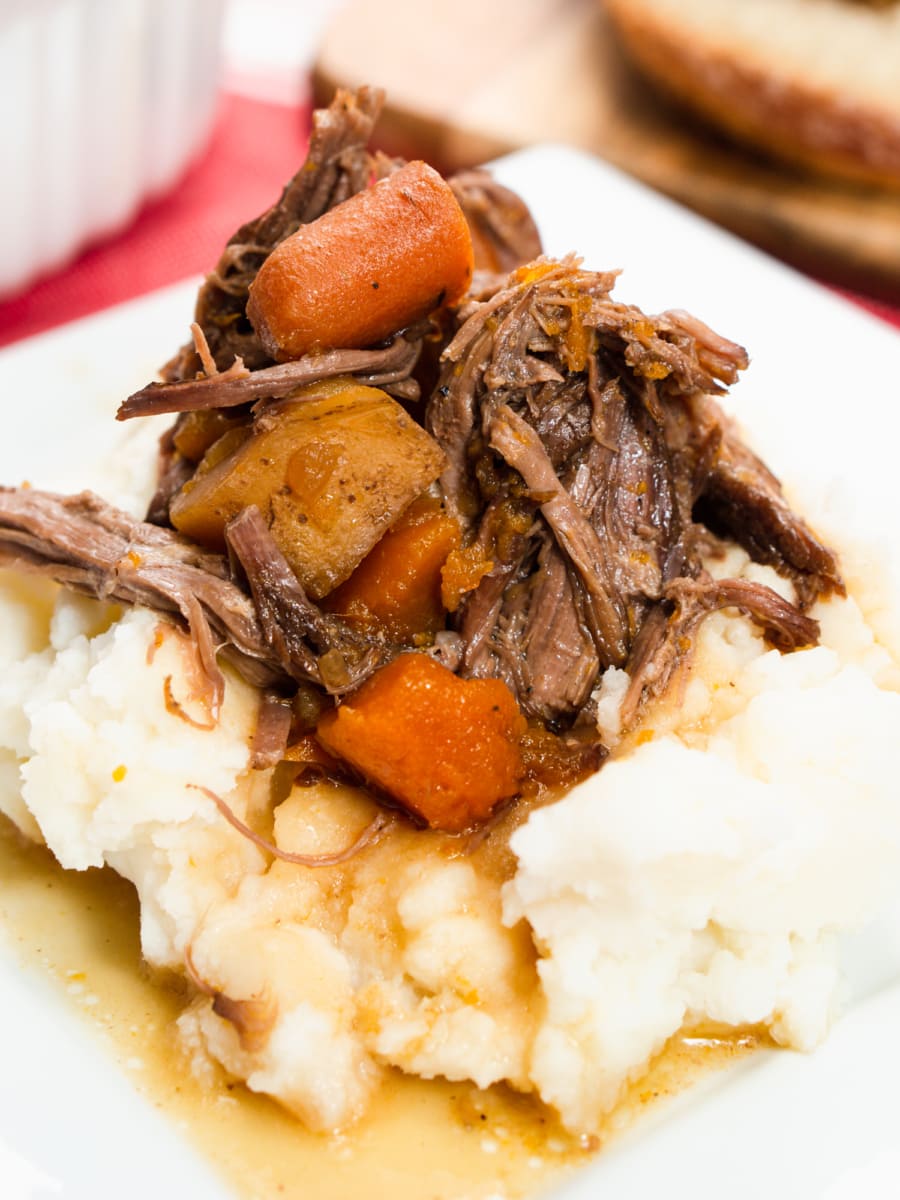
(583, 444)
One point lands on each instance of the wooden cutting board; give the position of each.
(469, 80)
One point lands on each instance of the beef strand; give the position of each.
(87, 545)
(379, 367)
(273, 727)
(504, 234)
(307, 643)
(520, 446)
(663, 647)
(743, 500)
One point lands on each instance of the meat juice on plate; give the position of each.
(82, 929)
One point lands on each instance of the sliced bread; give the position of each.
(816, 82)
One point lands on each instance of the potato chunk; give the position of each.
(331, 468)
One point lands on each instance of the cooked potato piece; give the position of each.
(331, 469)
(196, 431)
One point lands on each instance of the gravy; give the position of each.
(422, 1137)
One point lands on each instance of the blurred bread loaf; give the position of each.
(815, 82)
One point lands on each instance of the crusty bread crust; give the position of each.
(796, 118)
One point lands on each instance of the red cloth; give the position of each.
(252, 152)
(251, 155)
(880, 308)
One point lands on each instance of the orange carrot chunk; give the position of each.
(446, 749)
(462, 572)
(370, 266)
(397, 586)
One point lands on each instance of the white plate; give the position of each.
(780, 1126)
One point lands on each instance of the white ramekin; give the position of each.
(104, 104)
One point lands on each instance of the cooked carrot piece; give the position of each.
(397, 586)
(368, 267)
(446, 749)
(462, 572)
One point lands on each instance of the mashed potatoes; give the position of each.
(702, 875)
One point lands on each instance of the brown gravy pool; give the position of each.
(433, 1139)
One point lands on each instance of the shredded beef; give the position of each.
(276, 637)
(306, 643)
(664, 644)
(601, 418)
(273, 728)
(381, 367)
(743, 500)
(89, 546)
(504, 235)
(520, 446)
(172, 473)
(548, 647)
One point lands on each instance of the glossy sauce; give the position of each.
(421, 1138)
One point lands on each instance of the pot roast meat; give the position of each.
(521, 447)
(663, 646)
(504, 234)
(379, 367)
(588, 466)
(172, 473)
(273, 728)
(307, 643)
(624, 481)
(91, 547)
(743, 500)
(602, 417)
(547, 647)
(583, 448)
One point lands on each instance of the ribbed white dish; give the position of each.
(104, 103)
